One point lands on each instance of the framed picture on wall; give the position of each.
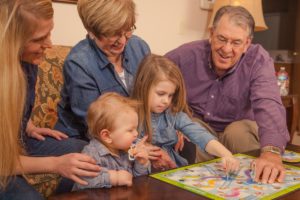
(65, 1)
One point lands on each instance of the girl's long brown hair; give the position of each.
(152, 70)
(17, 22)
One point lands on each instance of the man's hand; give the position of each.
(269, 168)
(39, 133)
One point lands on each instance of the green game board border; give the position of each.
(196, 190)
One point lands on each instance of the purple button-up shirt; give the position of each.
(247, 91)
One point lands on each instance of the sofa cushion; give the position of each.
(45, 184)
(48, 86)
(44, 114)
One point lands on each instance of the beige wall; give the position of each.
(164, 24)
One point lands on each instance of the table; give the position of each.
(147, 188)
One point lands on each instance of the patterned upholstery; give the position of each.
(48, 86)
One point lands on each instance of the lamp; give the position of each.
(253, 6)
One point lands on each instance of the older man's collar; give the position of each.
(230, 71)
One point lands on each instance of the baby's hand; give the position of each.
(230, 164)
(140, 152)
(124, 178)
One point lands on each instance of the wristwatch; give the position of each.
(271, 149)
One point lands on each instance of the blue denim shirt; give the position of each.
(164, 127)
(30, 71)
(108, 161)
(88, 74)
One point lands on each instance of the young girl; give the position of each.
(160, 86)
(112, 121)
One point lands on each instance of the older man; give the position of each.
(231, 85)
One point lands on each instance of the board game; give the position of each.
(209, 180)
(291, 156)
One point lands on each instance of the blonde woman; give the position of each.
(25, 27)
(105, 61)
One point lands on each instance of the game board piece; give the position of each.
(253, 165)
(291, 156)
(130, 152)
(132, 149)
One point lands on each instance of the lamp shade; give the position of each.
(253, 6)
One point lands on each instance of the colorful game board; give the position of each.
(291, 156)
(209, 180)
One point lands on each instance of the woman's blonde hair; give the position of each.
(17, 22)
(103, 112)
(152, 70)
(106, 17)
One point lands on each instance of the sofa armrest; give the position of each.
(48, 86)
(44, 113)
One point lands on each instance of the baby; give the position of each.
(112, 121)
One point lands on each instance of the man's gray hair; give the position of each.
(239, 15)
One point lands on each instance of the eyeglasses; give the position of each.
(127, 34)
(222, 41)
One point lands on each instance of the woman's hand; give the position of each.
(164, 162)
(159, 158)
(76, 165)
(39, 133)
(154, 152)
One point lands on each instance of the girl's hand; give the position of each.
(76, 165)
(180, 143)
(230, 164)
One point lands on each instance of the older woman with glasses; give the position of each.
(106, 61)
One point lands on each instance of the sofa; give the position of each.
(44, 114)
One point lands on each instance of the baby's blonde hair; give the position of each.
(103, 112)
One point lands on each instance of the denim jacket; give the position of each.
(30, 71)
(164, 127)
(88, 74)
